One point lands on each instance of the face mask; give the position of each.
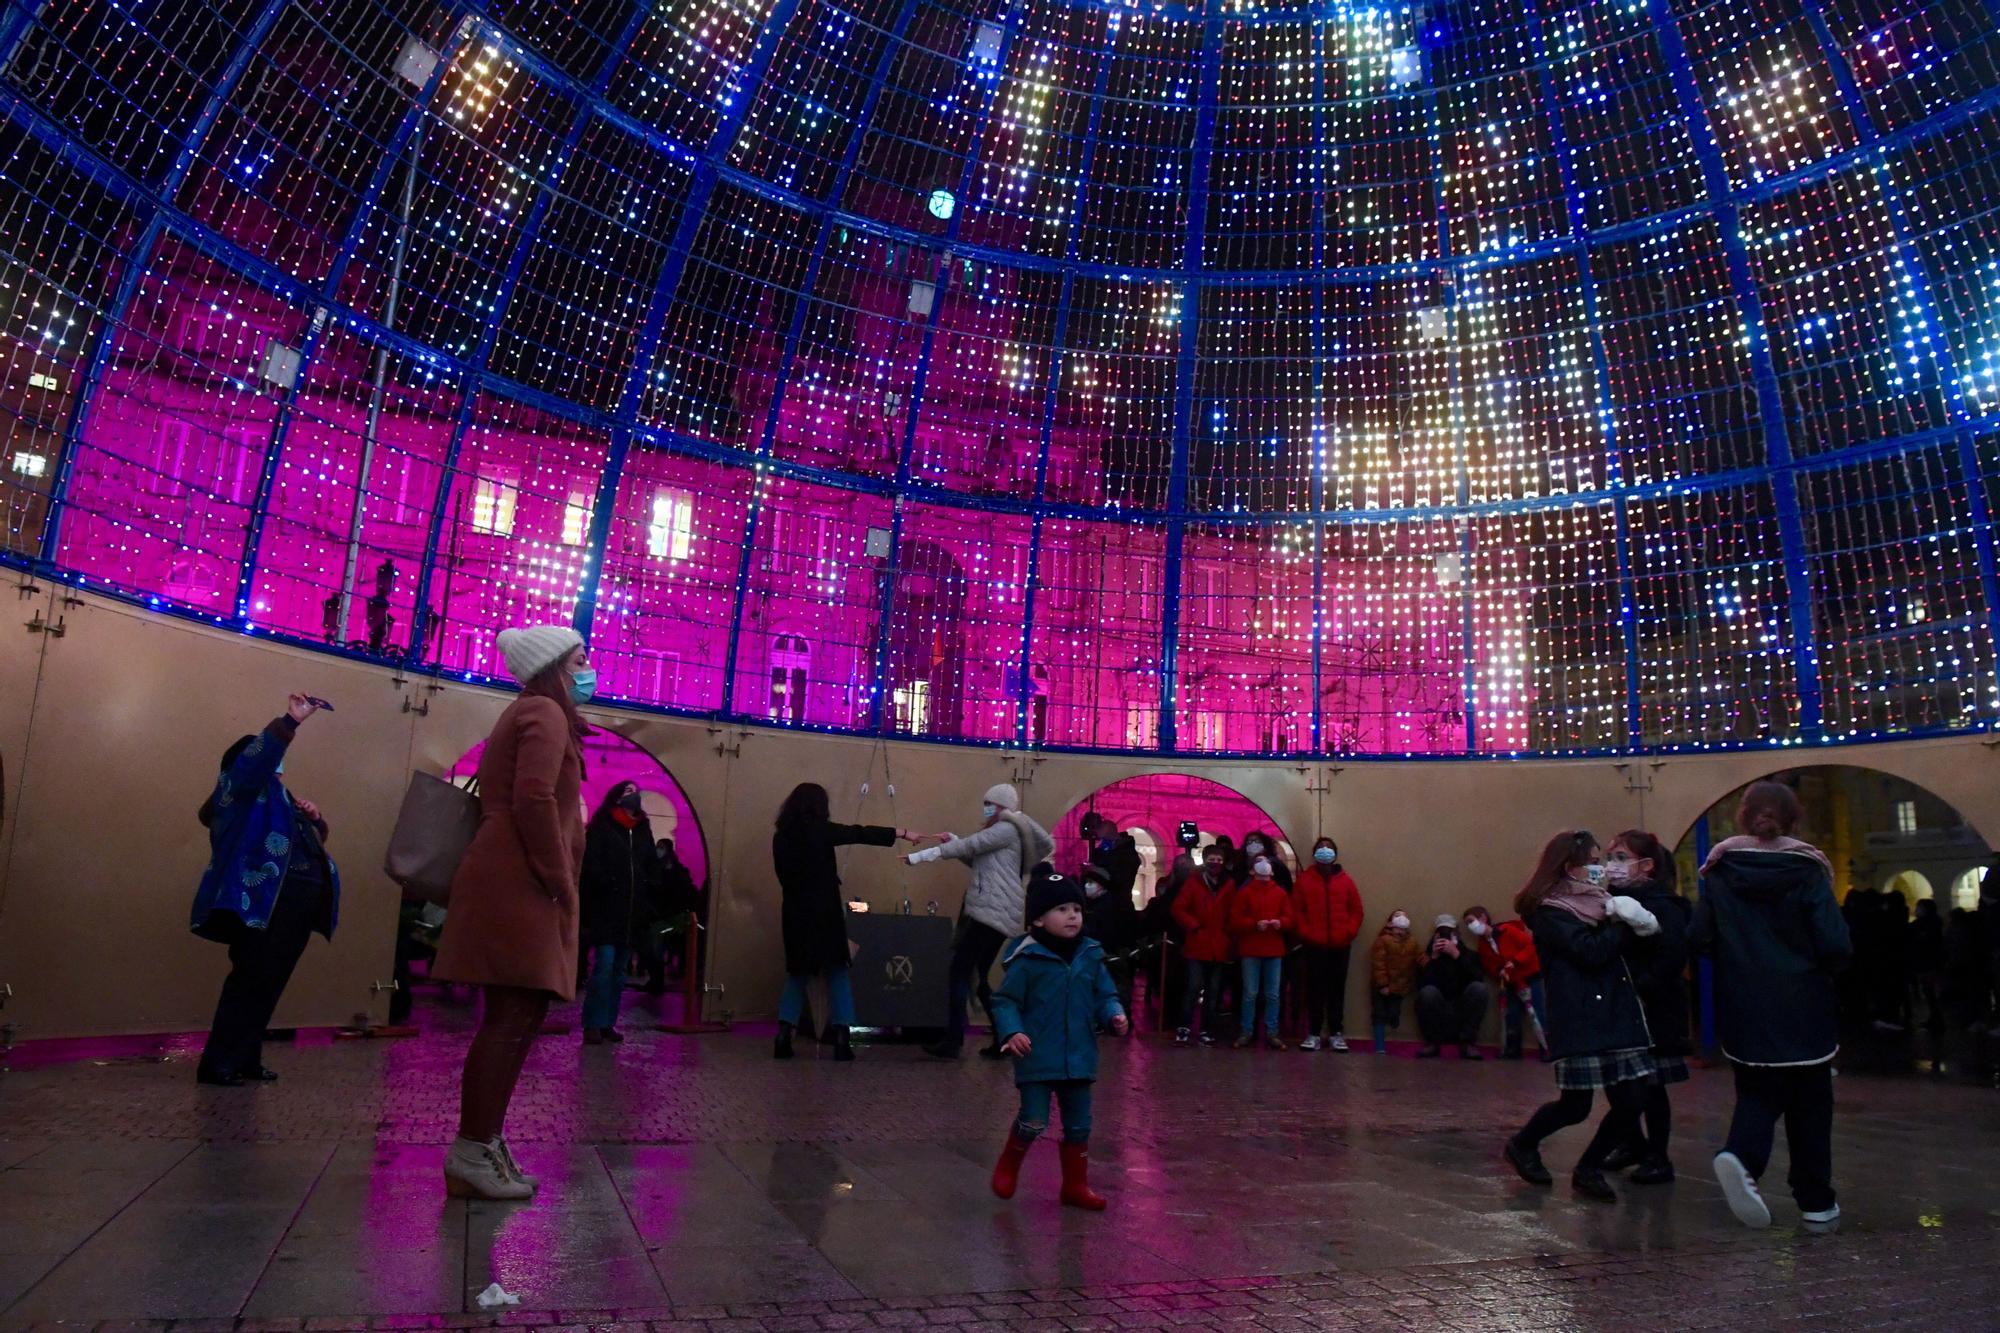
(1262, 869)
(1477, 927)
(1399, 921)
(280, 769)
(1213, 869)
(1253, 847)
(988, 811)
(1594, 876)
(1323, 855)
(629, 802)
(1092, 889)
(1618, 872)
(583, 686)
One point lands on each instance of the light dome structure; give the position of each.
(1466, 377)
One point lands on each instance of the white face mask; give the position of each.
(1399, 921)
(1253, 847)
(1619, 872)
(1594, 876)
(1262, 869)
(1476, 926)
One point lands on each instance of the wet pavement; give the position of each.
(692, 1182)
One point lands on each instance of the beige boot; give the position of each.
(514, 1167)
(475, 1170)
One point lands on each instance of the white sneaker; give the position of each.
(1309, 1044)
(1180, 1036)
(474, 1170)
(1741, 1191)
(1825, 1221)
(1336, 1043)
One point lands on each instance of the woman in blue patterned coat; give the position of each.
(269, 885)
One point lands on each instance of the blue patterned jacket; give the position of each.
(251, 828)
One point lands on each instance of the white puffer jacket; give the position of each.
(1001, 854)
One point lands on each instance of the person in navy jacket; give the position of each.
(1056, 994)
(269, 885)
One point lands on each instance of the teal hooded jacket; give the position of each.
(1059, 1005)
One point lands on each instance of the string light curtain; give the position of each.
(1474, 377)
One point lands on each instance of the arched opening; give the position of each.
(610, 759)
(1911, 884)
(1152, 809)
(1965, 890)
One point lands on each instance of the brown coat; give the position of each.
(1393, 962)
(512, 919)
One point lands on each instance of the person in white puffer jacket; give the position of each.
(1006, 847)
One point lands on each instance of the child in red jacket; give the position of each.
(1260, 914)
(1200, 910)
(1327, 906)
(1507, 952)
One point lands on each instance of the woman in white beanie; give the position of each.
(1006, 847)
(512, 925)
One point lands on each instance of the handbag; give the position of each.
(433, 830)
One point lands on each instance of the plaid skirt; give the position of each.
(1670, 1069)
(1582, 1072)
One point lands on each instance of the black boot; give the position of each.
(843, 1044)
(782, 1048)
(1623, 1156)
(1527, 1162)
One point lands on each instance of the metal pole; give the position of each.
(370, 431)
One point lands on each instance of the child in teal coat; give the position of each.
(1045, 1015)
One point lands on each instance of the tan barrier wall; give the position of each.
(110, 736)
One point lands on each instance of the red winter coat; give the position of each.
(1510, 943)
(1260, 900)
(1328, 908)
(1200, 912)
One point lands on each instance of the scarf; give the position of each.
(1064, 949)
(1590, 903)
(1743, 842)
(624, 818)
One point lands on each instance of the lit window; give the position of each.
(1965, 890)
(1906, 816)
(576, 519)
(913, 707)
(670, 536)
(791, 659)
(40, 381)
(31, 465)
(493, 507)
(943, 203)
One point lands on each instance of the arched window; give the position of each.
(791, 668)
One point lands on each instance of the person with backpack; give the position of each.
(268, 886)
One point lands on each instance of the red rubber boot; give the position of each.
(1007, 1172)
(1076, 1190)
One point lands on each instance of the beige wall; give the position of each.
(100, 850)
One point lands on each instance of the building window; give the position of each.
(791, 666)
(670, 536)
(1906, 816)
(913, 707)
(576, 519)
(493, 506)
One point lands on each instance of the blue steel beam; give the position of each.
(140, 258)
(1319, 405)
(1207, 96)
(1619, 472)
(788, 354)
(329, 291)
(940, 301)
(750, 79)
(1770, 398)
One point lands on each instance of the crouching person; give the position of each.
(1046, 1013)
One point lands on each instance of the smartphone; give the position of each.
(1189, 834)
(319, 703)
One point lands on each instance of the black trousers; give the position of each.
(973, 950)
(1326, 990)
(1626, 1102)
(260, 964)
(1803, 1096)
(1449, 1022)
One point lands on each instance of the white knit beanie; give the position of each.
(1004, 796)
(530, 652)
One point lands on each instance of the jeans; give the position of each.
(1326, 990)
(1204, 982)
(1072, 1095)
(839, 998)
(607, 983)
(1513, 1014)
(1260, 977)
(973, 950)
(1451, 1022)
(1803, 1095)
(260, 964)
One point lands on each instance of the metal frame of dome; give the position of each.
(323, 309)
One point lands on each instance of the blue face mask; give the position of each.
(1323, 855)
(583, 685)
(988, 811)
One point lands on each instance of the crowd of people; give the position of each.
(1594, 961)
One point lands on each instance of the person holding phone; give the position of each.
(268, 886)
